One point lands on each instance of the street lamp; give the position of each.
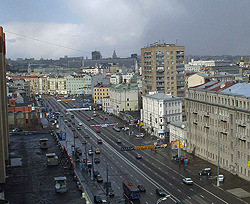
(162, 199)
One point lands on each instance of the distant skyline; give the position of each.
(206, 27)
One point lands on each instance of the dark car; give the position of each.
(96, 173)
(142, 188)
(98, 131)
(99, 179)
(138, 156)
(118, 141)
(73, 129)
(111, 192)
(69, 120)
(160, 192)
(97, 160)
(97, 199)
(73, 123)
(88, 119)
(78, 128)
(69, 125)
(99, 141)
(206, 172)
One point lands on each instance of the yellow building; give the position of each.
(101, 91)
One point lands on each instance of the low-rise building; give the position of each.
(218, 124)
(57, 85)
(90, 70)
(158, 111)
(106, 105)
(101, 91)
(124, 97)
(115, 79)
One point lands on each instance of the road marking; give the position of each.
(173, 177)
(120, 176)
(159, 168)
(162, 178)
(111, 167)
(131, 175)
(113, 181)
(189, 197)
(179, 190)
(170, 184)
(191, 189)
(143, 164)
(151, 193)
(118, 187)
(137, 181)
(202, 196)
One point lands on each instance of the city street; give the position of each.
(154, 170)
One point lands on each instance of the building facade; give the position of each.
(4, 126)
(163, 69)
(218, 123)
(101, 91)
(57, 85)
(177, 131)
(124, 97)
(78, 84)
(158, 111)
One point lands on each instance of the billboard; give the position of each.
(179, 144)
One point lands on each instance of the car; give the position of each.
(98, 131)
(78, 151)
(141, 187)
(97, 160)
(221, 178)
(78, 128)
(65, 120)
(138, 156)
(16, 130)
(72, 116)
(111, 192)
(87, 136)
(118, 141)
(73, 129)
(66, 102)
(80, 124)
(89, 164)
(94, 115)
(160, 192)
(88, 119)
(206, 172)
(70, 120)
(91, 118)
(96, 173)
(76, 135)
(84, 142)
(97, 199)
(188, 181)
(90, 152)
(117, 129)
(99, 141)
(99, 179)
(97, 151)
(140, 135)
(73, 123)
(69, 125)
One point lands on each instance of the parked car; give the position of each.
(73, 123)
(141, 187)
(188, 181)
(221, 178)
(206, 172)
(160, 192)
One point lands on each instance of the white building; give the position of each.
(124, 98)
(126, 78)
(192, 68)
(115, 79)
(90, 70)
(158, 111)
(106, 105)
(56, 85)
(78, 84)
(177, 131)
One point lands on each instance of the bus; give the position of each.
(131, 190)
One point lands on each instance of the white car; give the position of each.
(140, 135)
(188, 181)
(80, 124)
(221, 178)
(91, 152)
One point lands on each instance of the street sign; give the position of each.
(179, 144)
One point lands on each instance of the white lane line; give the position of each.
(131, 175)
(151, 193)
(170, 184)
(143, 164)
(111, 167)
(159, 168)
(189, 197)
(179, 190)
(202, 196)
(118, 187)
(137, 181)
(120, 176)
(162, 178)
(173, 177)
(113, 181)
(191, 189)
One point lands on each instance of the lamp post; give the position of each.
(162, 199)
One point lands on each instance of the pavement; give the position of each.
(29, 180)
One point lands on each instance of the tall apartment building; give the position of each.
(4, 126)
(218, 123)
(163, 69)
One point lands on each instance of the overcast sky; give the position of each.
(204, 27)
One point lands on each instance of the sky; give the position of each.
(51, 29)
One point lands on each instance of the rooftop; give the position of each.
(162, 96)
(125, 86)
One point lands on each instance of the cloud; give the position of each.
(206, 27)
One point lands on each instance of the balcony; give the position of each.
(195, 122)
(241, 123)
(206, 114)
(223, 118)
(241, 136)
(224, 131)
(195, 112)
(206, 125)
(160, 80)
